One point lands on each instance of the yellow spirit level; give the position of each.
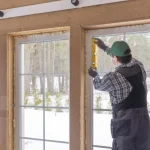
(94, 57)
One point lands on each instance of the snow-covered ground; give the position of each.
(57, 125)
(57, 128)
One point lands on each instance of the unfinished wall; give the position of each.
(76, 19)
(6, 4)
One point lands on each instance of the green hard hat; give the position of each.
(119, 48)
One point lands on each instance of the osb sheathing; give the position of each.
(76, 19)
(6, 4)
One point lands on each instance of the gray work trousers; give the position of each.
(134, 133)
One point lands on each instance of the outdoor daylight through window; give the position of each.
(99, 111)
(42, 92)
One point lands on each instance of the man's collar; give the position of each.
(125, 65)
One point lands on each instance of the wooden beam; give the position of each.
(52, 7)
(10, 77)
(118, 24)
(10, 93)
(40, 31)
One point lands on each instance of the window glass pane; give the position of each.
(32, 123)
(32, 145)
(140, 46)
(56, 146)
(32, 58)
(57, 125)
(57, 57)
(57, 90)
(32, 90)
(101, 100)
(57, 73)
(101, 128)
(43, 91)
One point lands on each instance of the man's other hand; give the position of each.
(93, 72)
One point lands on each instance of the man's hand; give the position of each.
(100, 44)
(92, 72)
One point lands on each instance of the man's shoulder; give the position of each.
(136, 61)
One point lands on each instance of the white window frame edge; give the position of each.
(51, 7)
(89, 84)
(17, 111)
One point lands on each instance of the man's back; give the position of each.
(117, 84)
(137, 97)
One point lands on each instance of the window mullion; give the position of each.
(21, 69)
(44, 71)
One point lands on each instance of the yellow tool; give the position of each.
(94, 57)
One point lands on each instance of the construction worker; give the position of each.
(130, 126)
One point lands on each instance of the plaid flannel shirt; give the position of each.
(116, 84)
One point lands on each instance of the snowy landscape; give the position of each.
(55, 77)
(57, 124)
(57, 128)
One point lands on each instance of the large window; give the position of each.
(99, 112)
(42, 92)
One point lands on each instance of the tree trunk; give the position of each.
(50, 84)
(50, 67)
(41, 85)
(33, 83)
(67, 83)
(60, 83)
(26, 65)
(40, 65)
(27, 84)
(63, 83)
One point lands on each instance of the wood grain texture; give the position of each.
(6, 4)
(10, 93)
(105, 16)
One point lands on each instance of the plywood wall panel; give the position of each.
(124, 11)
(3, 69)
(75, 86)
(3, 133)
(5, 4)
(3, 90)
(76, 19)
